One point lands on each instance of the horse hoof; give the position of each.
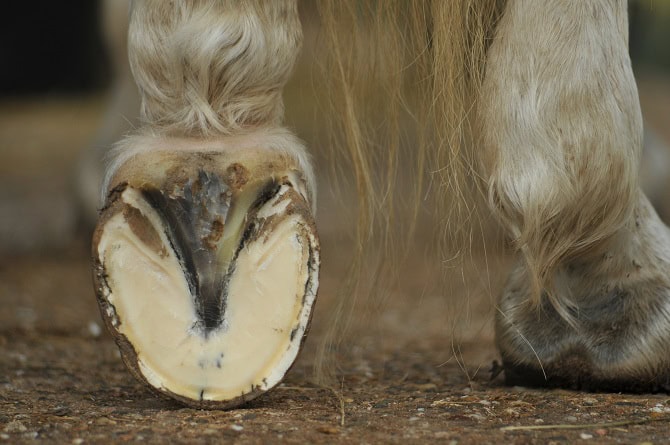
(206, 271)
(618, 336)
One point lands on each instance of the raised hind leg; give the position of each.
(205, 255)
(588, 303)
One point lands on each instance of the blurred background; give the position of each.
(61, 108)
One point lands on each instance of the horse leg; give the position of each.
(588, 303)
(205, 254)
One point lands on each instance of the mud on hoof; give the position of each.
(206, 271)
(619, 302)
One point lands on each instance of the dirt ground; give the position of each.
(406, 378)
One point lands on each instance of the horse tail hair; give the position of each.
(395, 68)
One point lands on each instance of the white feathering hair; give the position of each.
(208, 67)
(210, 75)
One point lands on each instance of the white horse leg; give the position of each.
(205, 254)
(588, 303)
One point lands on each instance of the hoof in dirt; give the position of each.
(617, 344)
(619, 304)
(206, 271)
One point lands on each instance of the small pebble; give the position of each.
(327, 429)
(570, 418)
(77, 441)
(104, 421)
(236, 427)
(94, 329)
(476, 416)
(659, 409)
(586, 436)
(15, 427)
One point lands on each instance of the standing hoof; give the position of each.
(618, 336)
(206, 270)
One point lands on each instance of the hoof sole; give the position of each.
(206, 273)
